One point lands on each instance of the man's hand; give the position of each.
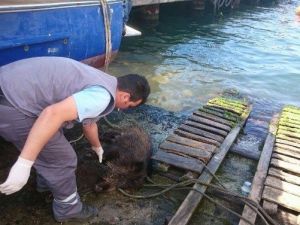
(99, 151)
(18, 176)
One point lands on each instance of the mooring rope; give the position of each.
(108, 48)
(108, 44)
(107, 26)
(77, 139)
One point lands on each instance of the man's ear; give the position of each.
(126, 96)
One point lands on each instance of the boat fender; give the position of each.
(130, 32)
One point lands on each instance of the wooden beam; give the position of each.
(289, 133)
(229, 102)
(285, 165)
(206, 128)
(194, 152)
(210, 123)
(282, 198)
(226, 107)
(202, 133)
(214, 118)
(188, 206)
(287, 152)
(291, 117)
(192, 143)
(288, 142)
(196, 137)
(283, 185)
(284, 146)
(292, 109)
(284, 137)
(179, 161)
(286, 158)
(221, 110)
(284, 176)
(259, 179)
(287, 128)
(232, 118)
(289, 123)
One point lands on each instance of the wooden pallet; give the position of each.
(202, 141)
(277, 181)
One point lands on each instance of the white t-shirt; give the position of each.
(91, 102)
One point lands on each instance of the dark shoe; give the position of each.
(87, 212)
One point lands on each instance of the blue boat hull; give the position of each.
(77, 32)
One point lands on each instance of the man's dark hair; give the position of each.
(136, 85)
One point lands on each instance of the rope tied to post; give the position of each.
(107, 25)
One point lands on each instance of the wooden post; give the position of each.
(261, 173)
(188, 206)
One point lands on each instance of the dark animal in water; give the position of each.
(126, 159)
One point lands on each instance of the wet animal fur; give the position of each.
(126, 159)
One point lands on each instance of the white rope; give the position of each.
(108, 44)
(107, 25)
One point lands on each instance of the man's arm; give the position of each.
(91, 133)
(47, 124)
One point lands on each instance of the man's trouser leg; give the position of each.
(60, 175)
(56, 163)
(41, 184)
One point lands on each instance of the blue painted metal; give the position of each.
(77, 32)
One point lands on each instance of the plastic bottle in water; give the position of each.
(246, 188)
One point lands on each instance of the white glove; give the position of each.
(99, 150)
(17, 177)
